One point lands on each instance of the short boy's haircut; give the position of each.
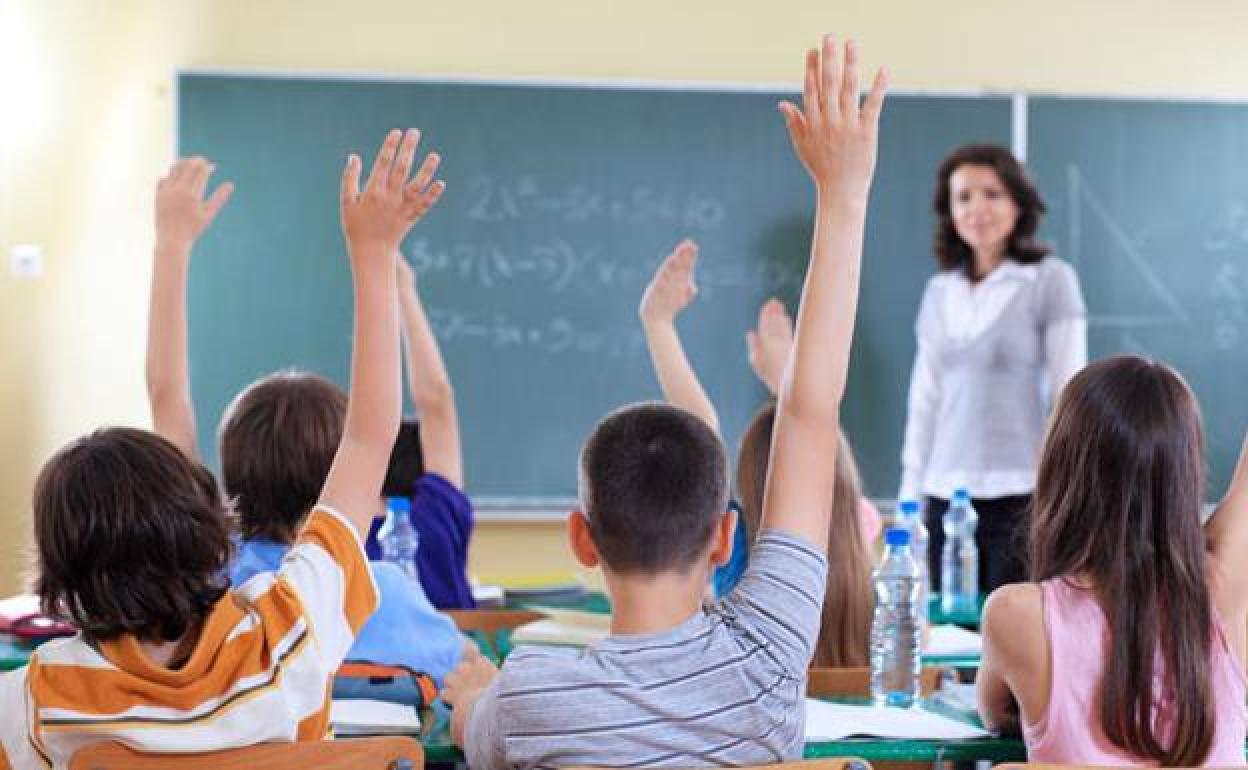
(277, 442)
(407, 461)
(653, 484)
(132, 537)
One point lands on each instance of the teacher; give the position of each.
(1000, 330)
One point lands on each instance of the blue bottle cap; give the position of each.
(908, 507)
(961, 495)
(399, 504)
(896, 536)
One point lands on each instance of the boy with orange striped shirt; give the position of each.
(133, 540)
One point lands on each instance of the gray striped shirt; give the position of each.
(724, 688)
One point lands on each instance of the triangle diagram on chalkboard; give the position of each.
(1137, 296)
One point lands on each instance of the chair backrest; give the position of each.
(381, 753)
(825, 682)
(831, 763)
(487, 624)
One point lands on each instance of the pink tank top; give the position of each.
(1070, 732)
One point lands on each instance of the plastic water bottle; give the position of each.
(399, 539)
(896, 627)
(959, 561)
(910, 518)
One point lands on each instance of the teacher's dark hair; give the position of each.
(1118, 501)
(951, 251)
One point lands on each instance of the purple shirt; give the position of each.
(442, 516)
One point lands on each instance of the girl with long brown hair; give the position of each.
(849, 600)
(1129, 646)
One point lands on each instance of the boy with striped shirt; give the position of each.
(679, 684)
(133, 542)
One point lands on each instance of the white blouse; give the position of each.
(990, 357)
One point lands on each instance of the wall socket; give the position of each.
(26, 261)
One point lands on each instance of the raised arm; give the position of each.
(374, 222)
(836, 142)
(182, 215)
(429, 385)
(770, 345)
(1227, 531)
(670, 292)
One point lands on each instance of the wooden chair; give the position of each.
(381, 753)
(487, 625)
(832, 763)
(826, 682)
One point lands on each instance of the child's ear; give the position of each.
(580, 541)
(725, 537)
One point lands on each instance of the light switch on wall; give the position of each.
(26, 261)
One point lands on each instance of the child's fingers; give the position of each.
(849, 84)
(424, 174)
(812, 106)
(179, 169)
(218, 199)
(875, 99)
(350, 188)
(384, 160)
(829, 79)
(420, 205)
(403, 165)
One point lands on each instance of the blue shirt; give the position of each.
(442, 516)
(405, 631)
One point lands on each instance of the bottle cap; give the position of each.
(961, 495)
(399, 504)
(896, 536)
(908, 507)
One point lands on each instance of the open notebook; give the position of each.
(834, 721)
(373, 717)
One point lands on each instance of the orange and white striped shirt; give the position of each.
(260, 671)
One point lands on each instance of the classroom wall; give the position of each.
(86, 126)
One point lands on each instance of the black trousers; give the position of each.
(1000, 538)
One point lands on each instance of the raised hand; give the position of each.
(673, 286)
(182, 214)
(379, 216)
(771, 343)
(833, 137)
(404, 273)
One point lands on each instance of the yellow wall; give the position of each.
(86, 126)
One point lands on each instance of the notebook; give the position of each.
(373, 717)
(952, 640)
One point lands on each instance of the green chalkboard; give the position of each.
(561, 200)
(1149, 201)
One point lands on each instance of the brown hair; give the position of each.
(849, 600)
(132, 537)
(653, 484)
(952, 253)
(1118, 506)
(277, 441)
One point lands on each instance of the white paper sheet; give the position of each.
(834, 721)
(953, 640)
(351, 716)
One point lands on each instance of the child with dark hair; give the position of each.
(680, 683)
(849, 597)
(426, 465)
(1128, 648)
(132, 540)
(277, 441)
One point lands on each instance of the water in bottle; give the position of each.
(896, 627)
(399, 539)
(959, 562)
(910, 518)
